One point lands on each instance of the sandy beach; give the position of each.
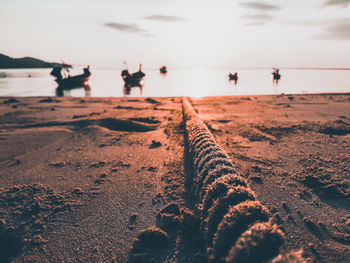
(81, 177)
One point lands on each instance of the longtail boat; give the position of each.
(71, 81)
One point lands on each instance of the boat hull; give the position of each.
(76, 81)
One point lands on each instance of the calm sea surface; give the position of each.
(194, 83)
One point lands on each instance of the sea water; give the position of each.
(191, 82)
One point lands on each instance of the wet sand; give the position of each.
(80, 177)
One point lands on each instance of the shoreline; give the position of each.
(167, 97)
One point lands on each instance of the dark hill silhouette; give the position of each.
(26, 62)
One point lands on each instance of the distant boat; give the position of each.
(233, 76)
(134, 79)
(163, 70)
(276, 74)
(71, 81)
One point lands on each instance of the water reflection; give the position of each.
(62, 91)
(3, 75)
(128, 89)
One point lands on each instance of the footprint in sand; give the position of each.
(97, 164)
(48, 100)
(313, 228)
(121, 164)
(17, 162)
(132, 221)
(79, 116)
(12, 100)
(101, 179)
(150, 120)
(149, 100)
(155, 144)
(57, 164)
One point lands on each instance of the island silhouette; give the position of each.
(26, 62)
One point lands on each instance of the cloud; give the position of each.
(261, 6)
(331, 29)
(299, 22)
(255, 23)
(343, 3)
(337, 29)
(129, 28)
(163, 18)
(257, 19)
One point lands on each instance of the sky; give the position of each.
(179, 34)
